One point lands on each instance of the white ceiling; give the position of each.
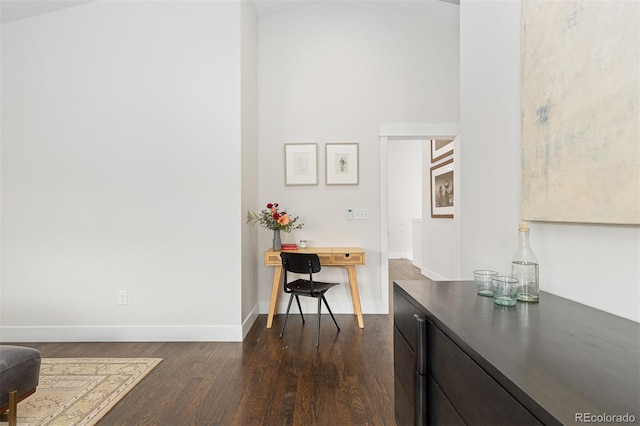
(269, 7)
(12, 10)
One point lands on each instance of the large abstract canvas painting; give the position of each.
(580, 111)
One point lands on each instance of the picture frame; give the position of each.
(342, 163)
(442, 189)
(301, 163)
(441, 148)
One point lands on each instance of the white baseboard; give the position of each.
(248, 322)
(400, 256)
(433, 275)
(177, 333)
(311, 306)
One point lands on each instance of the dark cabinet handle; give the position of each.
(422, 363)
(421, 345)
(421, 374)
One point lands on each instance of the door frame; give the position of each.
(422, 131)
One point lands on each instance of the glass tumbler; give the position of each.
(483, 279)
(505, 290)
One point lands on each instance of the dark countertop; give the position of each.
(557, 357)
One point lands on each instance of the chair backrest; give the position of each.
(300, 263)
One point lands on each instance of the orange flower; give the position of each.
(283, 220)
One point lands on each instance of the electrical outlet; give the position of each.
(123, 297)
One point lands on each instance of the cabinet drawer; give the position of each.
(440, 411)
(403, 366)
(403, 362)
(478, 398)
(403, 318)
(348, 258)
(272, 259)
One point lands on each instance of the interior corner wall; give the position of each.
(333, 72)
(249, 193)
(596, 265)
(121, 172)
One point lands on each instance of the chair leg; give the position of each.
(286, 316)
(300, 308)
(329, 309)
(318, 331)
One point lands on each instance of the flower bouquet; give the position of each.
(272, 218)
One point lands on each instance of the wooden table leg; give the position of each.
(13, 408)
(355, 294)
(275, 292)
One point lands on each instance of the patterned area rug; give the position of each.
(80, 391)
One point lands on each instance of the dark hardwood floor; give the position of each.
(265, 380)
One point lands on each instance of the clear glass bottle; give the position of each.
(524, 267)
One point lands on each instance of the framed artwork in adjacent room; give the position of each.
(342, 163)
(441, 148)
(442, 187)
(301, 163)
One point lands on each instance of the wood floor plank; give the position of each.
(265, 380)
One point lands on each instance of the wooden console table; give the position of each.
(347, 257)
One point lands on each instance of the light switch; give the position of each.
(361, 214)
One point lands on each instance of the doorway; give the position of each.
(404, 189)
(396, 133)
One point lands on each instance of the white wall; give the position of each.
(416, 241)
(249, 111)
(121, 163)
(121, 171)
(439, 243)
(333, 72)
(405, 195)
(592, 264)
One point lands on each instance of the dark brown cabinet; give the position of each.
(459, 359)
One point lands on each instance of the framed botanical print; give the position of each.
(342, 163)
(301, 163)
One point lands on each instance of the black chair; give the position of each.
(305, 263)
